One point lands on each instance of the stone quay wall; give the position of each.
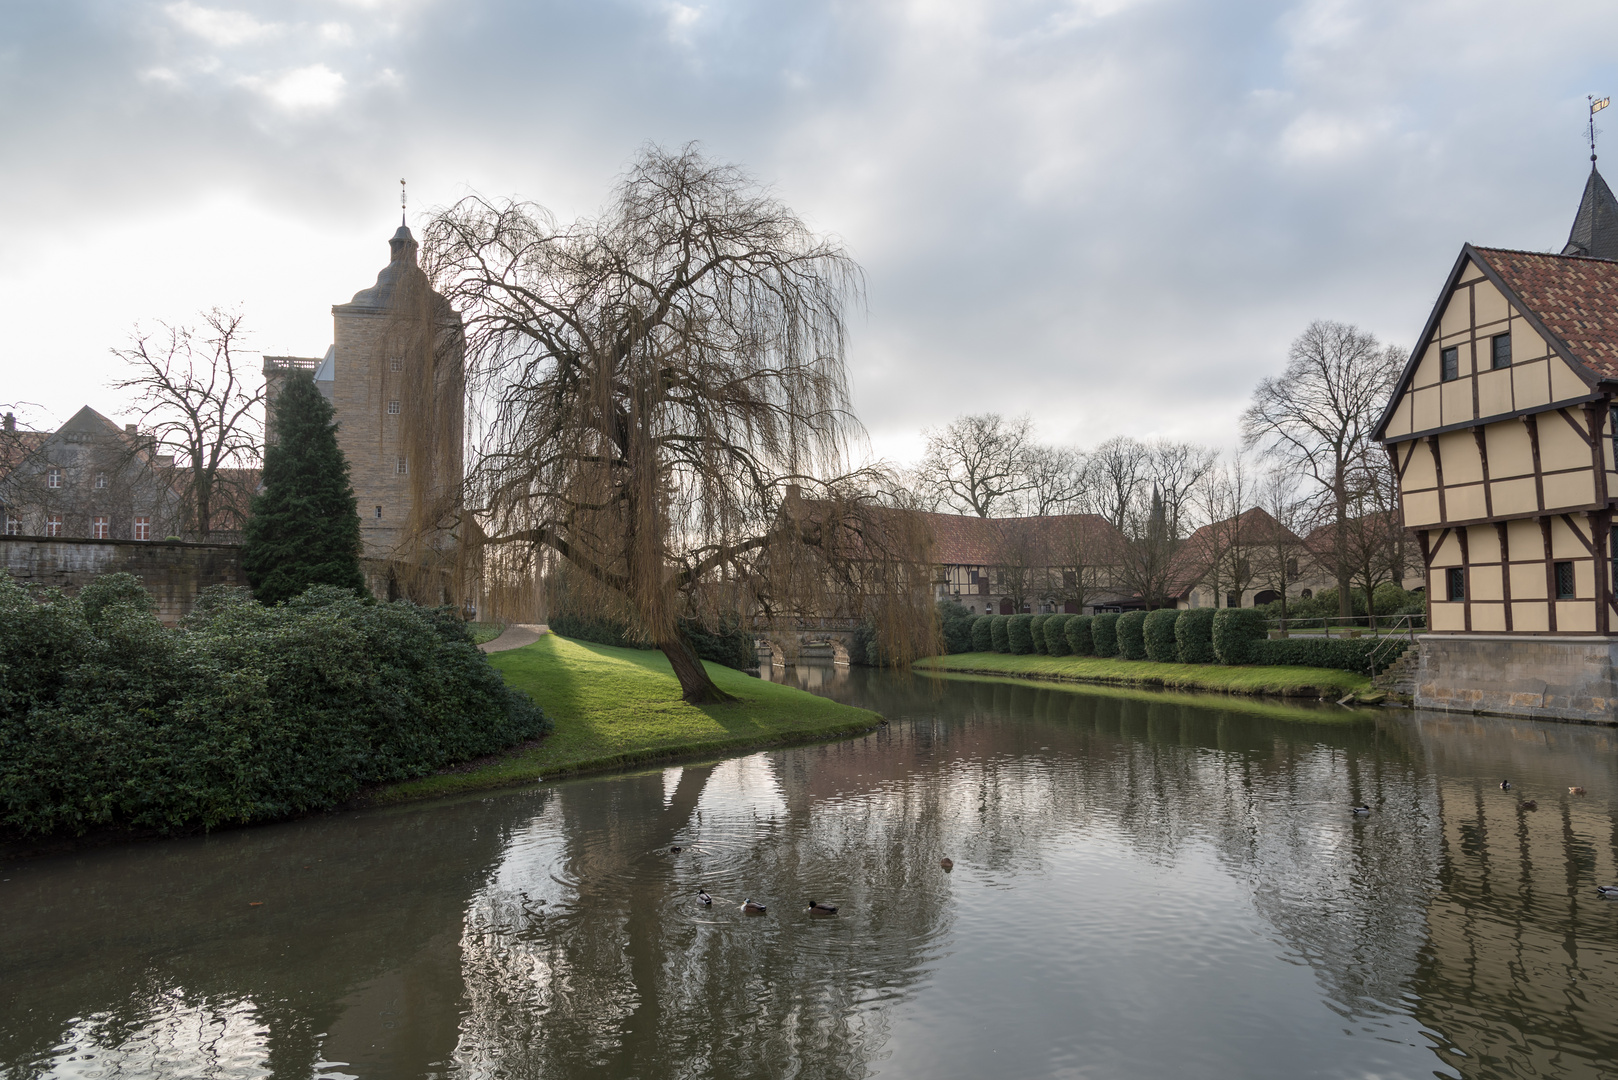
(172, 571)
(1532, 676)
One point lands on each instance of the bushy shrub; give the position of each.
(955, 623)
(1130, 629)
(728, 643)
(1238, 633)
(1349, 654)
(1193, 636)
(1036, 631)
(982, 640)
(1055, 638)
(1079, 639)
(597, 630)
(1104, 633)
(1018, 635)
(245, 713)
(997, 632)
(1159, 634)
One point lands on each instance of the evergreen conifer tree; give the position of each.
(305, 526)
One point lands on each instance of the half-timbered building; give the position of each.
(1501, 432)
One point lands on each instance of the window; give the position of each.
(1500, 351)
(395, 364)
(143, 528)
(53, 478)
(1564, 581)
(393, 408)
(1233, 599)
(400, 466)
(53, 525)
(1449, 366)
(971, 577)
(1292, 567)
(1455, 583)
(1612, 420)
(379, 512)
(101, 481)
(1070, 579)
(13, 526)
(98, 527)
(1307, 594)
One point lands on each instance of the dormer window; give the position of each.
(53, 478)
(1449, 364)
(1500, 351)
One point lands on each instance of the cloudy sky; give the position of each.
(1110, 214)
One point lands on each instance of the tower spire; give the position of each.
(402, 187)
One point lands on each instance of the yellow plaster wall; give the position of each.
(1483, 543)
(1465, 503)
(1510, 452)
(1459, 452)
(1490, 303)
(1527, 579)
(1425, 408)
(1485, 585)
(1570, 489)
(1514, 496)
(1575, 616)
(1529, 618)
(1494, 392)
(1561, 447)
(1565, 383)
(1448, 616)
(1525, 343)
(1488, 616)
(1421, 508)
(1457, 317)
(1530, 384)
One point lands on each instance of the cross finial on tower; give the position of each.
(1595, 107)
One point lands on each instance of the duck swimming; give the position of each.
(707, 901)
(821, 909)
(675, 850)
(751, 908)
(1505, 785)
(1530, 805)
(1360, 809)
(1608, 891)
(1575, 791)
(946, 864)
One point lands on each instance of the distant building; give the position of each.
(1501, 431)
(1006, 566)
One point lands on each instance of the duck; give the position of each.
(822, 909)
(702, 895)
(1608, 891)
(1359, 809)
(946, 864)
(1505, 785)
(1530, 805)
(675, 850)
(750, 907)
(1575, 791)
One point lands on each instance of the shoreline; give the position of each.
(1323, 684)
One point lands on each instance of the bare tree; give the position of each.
(194, 400)
(1280, 548)
(1176, 468)
(1088, 558)
(1057, 480)
(978, 463)
(656, 386)
(1317, 417)
(1119, 476)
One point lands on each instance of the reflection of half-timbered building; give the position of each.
(1502, 434)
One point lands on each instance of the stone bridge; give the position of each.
(812, 641)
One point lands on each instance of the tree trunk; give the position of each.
(695, 685)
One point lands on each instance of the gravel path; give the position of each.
(516, 636)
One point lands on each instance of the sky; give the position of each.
(1111, 215)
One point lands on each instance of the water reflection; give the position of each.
(1143, 886)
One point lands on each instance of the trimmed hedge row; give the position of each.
(1195, 636)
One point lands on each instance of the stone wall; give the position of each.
(1541, 677)
(173, 572)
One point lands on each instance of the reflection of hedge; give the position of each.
(982, 641)
(1055, 640)
(1349, 654)
(1131, 635)
(1036, 631)
(1019, 634)
(997, 632)
(1077, 632)
(1159, 635)
(1193, 636)
(1104, 632)
(1238, 633)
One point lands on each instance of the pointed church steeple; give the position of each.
(1595, 227)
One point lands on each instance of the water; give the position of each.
(1143, 887)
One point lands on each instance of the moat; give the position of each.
(1143, 886)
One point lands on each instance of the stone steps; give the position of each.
(1399, 679)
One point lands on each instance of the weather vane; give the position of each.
(1595, 107)
(402, 186)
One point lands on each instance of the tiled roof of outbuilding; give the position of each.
(1575, 297)
(959, 540)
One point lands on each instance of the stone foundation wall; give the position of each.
(1541, 677)
(173, 572)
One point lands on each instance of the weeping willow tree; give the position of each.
(650, 386)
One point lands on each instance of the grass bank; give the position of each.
(1293, 711)
(616, 707)
(1278, 681)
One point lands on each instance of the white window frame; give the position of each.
(53, 478)
(101, 527)
(53, 525)
(393, 408)
(401, 466)
(143, 528)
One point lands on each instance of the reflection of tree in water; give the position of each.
(353, 959)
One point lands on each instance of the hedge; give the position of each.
(981, 639)
(1193, 636)
(1019, 635)
(1238, 633)
(245, 713)
(1159, 634)
(1131, 635)
(1349, 654)
(997, 632)
(726, 644)
(1104, 632)
(1055, 639)
(1077, 632)
(1036, 630)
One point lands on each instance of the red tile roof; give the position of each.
(959, 540)
(1575, 297)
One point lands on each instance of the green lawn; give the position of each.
(1285, 681)
(616, 707)
(485, 631)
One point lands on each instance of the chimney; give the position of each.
(129, 429)
(11, 423)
